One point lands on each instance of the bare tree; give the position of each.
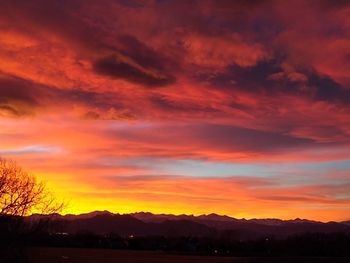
(21, 193)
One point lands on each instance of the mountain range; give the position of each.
(148, 224)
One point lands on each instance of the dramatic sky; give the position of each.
(169, 106)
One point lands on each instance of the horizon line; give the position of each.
(196, 215)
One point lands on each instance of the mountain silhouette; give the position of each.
(148, 224)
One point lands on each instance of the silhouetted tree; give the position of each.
(21, 193)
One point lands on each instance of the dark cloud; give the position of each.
(137, 63)
(166, 104)
(59, 18)
(334, 4)
(113, 67)
(239, 3)
(269, 78)
(215, 137)
(131, 47)
(56, 17)
(7, 110)
(232, 137)
(15, 89)
(20, 97)
(326, 89)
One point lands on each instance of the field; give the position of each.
(74, 255)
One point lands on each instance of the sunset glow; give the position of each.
(168, 106)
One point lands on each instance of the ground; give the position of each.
(75, 255)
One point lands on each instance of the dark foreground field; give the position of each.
(74, 255)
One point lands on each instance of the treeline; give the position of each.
(16, 235)
(315, 244)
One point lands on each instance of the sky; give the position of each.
(186, 107)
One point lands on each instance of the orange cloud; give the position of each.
(220, 51)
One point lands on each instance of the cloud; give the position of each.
(242, 139)
(136, 63)
(204, 139)
(128, 58)
(20, 97)
(272, 79)
(221, 51)
(32, 149)
(113, 67)
(117, 84)
(17, 97)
